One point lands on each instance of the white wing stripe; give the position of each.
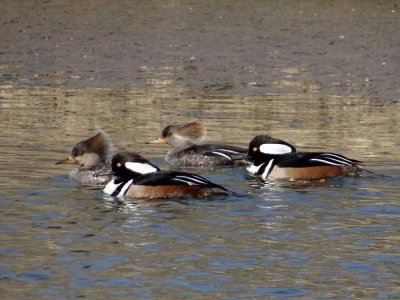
(326, 162)
(227, 151)
(221, 154)
(342, 158)
(197, 177)
(188, 182)
(193, 179)
(333, 159)
(343, 162)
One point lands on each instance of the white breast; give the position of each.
(110, 187)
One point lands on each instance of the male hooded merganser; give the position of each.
(277, 159)
(92, 155)
(188, 152)
(138, 178)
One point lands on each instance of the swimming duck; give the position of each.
(276, 159)
(92, 156)
(138, 178)
(188, 151)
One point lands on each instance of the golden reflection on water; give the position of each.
(40, 126)
(44, 124)
(359, 126)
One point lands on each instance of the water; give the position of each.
(334, 239)
(69, 68)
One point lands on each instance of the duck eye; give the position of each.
(119, 165)
(255, 149)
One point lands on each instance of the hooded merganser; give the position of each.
(92, 155)
(138, 178)
(277, 159)
(188, 152)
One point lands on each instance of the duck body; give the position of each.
(206, 155)
(164, 184)
(89, 176)
(146, 181)
(275, 159)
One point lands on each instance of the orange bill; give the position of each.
(157, 141)
(69, 161)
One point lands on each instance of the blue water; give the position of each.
(130, 68)
(336, 238)
(333, 239)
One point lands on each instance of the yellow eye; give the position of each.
(255, 149)
(119, 165)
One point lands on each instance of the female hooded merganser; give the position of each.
(138, 178)
(92, 155)
(277, 159)
(188, 152)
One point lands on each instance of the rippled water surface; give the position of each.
(71, 68)
(334, 239)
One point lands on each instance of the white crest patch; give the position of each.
(141, 168)
(275, 149)
(111, 187)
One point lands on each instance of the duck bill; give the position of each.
(67, 161)
(157, 141)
